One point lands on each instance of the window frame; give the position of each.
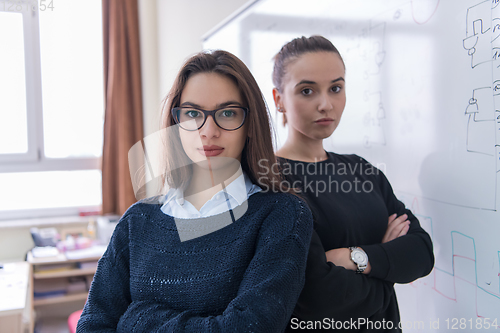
(34, 160)
(33, 99)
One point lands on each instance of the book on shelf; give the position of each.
(52, 268)
(49, 294)
(90, 252)
(60, 286)
(87, 264)
(77, 284)
(44, 251)
(50, 288)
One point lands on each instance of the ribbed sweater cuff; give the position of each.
(378, 260)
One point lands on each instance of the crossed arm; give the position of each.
(396, 227)
(264, 302)
(334, 289)
(404, 253)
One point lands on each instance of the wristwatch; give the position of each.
(360, 258)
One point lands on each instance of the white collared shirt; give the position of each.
(235, 194)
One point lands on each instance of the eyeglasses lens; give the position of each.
(227, 118)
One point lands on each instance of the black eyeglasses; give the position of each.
(229, 118)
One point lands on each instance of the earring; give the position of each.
(279, 109)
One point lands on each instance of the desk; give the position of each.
(15, 293)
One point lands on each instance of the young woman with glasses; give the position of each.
(364, 238)
(215, 253)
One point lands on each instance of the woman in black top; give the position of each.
(365, 240)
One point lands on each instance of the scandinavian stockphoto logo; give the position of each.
(320, 177)
(153, 160)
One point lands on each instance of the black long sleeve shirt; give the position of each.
(351, 201)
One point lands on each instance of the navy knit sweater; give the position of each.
(245, 277)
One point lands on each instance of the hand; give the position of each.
(342, 257)
(396, 227)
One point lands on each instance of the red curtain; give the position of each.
(123, 125)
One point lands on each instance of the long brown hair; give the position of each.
(258, 156)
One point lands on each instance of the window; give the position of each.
(51, 107)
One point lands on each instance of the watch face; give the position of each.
(359, 257)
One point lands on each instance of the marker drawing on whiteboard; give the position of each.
(480, 130)
(467, 270)
(478, 33)
(375, 53)
(374, 119)
(425, 15)
(464, 276)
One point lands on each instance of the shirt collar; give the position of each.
(239, 189)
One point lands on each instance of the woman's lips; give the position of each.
(324, 121)
(210, 150)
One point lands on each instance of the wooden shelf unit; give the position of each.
(38, 276)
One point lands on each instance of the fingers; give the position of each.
(396, 227)
(405, 229)
(399, 219)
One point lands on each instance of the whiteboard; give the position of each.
(423, 104)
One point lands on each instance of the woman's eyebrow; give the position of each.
(305, 82)
(194, 105)
(312, 82)
(223, 105)
(218, 106)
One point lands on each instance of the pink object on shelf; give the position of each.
(73, 320)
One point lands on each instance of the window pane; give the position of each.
(35, 190)
(13, 120)
(72, 79)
